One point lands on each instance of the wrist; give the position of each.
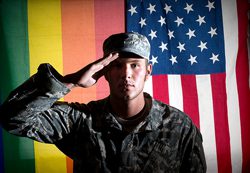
(67, 81)
(70, 85)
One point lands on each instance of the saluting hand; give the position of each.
(89, 75)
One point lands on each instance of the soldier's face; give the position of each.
(127, 76)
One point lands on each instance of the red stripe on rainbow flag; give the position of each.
(109, 19)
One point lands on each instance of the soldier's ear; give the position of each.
(149, 71)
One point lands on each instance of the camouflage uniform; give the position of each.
(165, 140)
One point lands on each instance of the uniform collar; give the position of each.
(152, 122)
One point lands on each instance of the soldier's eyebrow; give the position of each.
(134, 61)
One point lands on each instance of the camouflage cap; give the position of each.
(127, 42)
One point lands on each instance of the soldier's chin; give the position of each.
(126, 97)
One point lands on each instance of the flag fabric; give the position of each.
(184, 40)
(66, 34)
(200, 66)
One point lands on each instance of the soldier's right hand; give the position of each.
(89, 75)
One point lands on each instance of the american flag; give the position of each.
(194, 47)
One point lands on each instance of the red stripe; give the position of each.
(221, 122)
(190, 98)
(160, 88)
(242, 75)
(109, 19)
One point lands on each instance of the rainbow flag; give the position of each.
(69, 34)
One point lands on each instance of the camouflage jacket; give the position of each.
(166, 140)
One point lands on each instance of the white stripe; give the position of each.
(207, 128)
(175, 91)
(148, 88)
(230, 23)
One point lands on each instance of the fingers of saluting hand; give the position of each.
(108, 59)
(104, 62)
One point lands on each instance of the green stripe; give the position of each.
(14, 69)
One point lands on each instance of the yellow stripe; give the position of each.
(45, 45)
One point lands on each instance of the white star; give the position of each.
(181, 47)
(162, 21)
(154, 60)
(212, 31)
(190, 33)
(202, 45)
(132, 10)
(179, 21)
(170, 34)
(214, 58)
(210, 5)
(173, 59)
(167, 8)
(201, 20)
(151, 8)
(163, 46)
(153, 34)
(192, 59)
(188, 8)
(143, 22)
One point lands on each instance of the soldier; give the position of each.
(128, 131)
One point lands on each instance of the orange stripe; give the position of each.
(109, 19)
(78, 40)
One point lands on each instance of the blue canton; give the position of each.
(186, 37)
